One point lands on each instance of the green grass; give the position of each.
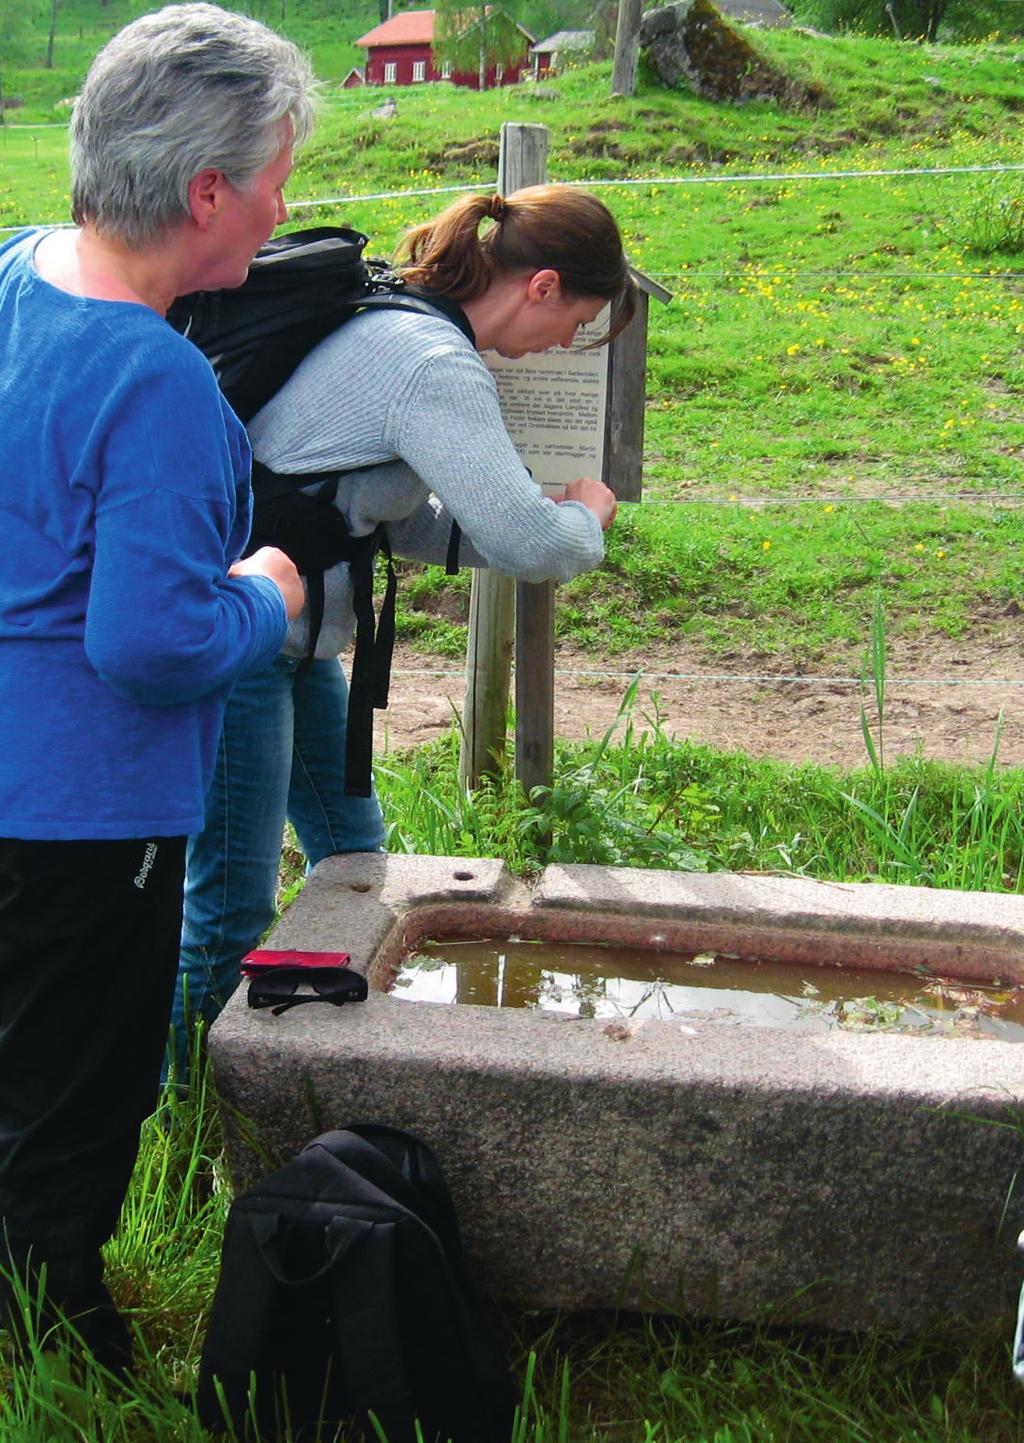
(628, 798)
(608, 1377)
(772, 373)
(796, 582)
(639, 798)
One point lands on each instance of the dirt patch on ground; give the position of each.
(943, 699)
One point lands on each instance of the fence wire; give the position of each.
(768, 678)
(731, 178)
(603, 182)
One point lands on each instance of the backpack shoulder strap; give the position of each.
(399, 297)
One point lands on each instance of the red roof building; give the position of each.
(400, 52)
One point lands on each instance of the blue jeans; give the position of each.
(281, 754)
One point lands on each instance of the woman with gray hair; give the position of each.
(125, 612)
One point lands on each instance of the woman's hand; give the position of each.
(596, 497)
(269, 561)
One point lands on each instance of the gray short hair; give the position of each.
(185, 89)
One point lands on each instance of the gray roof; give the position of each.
(766, 11)
(564, 40)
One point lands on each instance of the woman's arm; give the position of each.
(449, 430)
(164, 622)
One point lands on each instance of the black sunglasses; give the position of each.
(278, 987)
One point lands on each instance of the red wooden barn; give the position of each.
(400, 52)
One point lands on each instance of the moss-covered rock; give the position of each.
(689, 43)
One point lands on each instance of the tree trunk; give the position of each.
(482, 64)
(53, 32)
(627, 47)
(935, 13)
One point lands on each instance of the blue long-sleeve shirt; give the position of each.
(124, 496)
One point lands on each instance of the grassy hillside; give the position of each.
(326, 28)
(846, 339)
(830, 344)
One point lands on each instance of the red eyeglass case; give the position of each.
(265, 958)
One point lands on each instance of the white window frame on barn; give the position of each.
(446, 70)
(390, 72)
(499, 74)
(419, 70)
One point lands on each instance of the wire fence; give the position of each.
(765, 678)
(603, 182)
(758, 270)
(726, 178)
(989, 498)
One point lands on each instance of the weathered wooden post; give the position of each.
(622, 471)
(627, 391)
(523, 160)
(627, 47)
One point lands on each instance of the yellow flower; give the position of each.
(940, 553)
(919, 546)
(792, 350)
(830, 508)
(914, 341)
(767, 546)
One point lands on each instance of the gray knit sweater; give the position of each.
(407, 396)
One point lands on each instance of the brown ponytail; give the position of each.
(541, 227)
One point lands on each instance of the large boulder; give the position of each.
(689, 43)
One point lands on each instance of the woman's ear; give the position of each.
(204, 197)
(545, 285)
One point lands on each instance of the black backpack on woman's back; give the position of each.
(343, 1294)
(301, 286)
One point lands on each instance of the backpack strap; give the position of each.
(406, 298)
(316, 536)
(463, 1355)
(369, 1327)
(371, 661)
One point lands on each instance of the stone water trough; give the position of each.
(840, 1178)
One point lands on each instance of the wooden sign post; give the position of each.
(523, 160)
(569, 413)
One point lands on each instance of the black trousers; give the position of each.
(89, 938)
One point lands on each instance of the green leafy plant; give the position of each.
(990, 217)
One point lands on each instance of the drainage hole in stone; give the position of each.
(463, 876)
(359, 886)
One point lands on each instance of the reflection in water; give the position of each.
(591, 980)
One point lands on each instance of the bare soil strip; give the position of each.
(791, 720)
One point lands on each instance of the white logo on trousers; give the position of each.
(148, 858)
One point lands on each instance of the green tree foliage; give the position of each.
(954, 20)
(543, 17)
(19, 38)
(476, 37)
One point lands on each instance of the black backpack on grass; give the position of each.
(344, 1296)
(301, 286)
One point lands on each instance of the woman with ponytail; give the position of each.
(404, 401)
